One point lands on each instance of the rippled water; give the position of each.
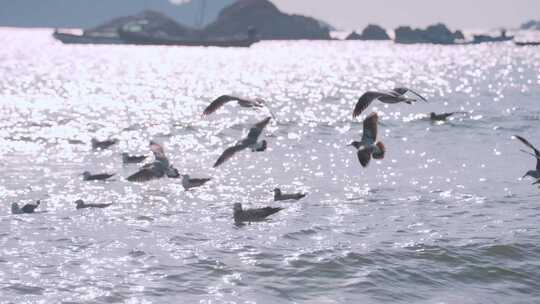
(443, 219)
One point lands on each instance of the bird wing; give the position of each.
(256, 131)
(402, 91)
(364, 156)
(146, 173)
(199, 181)
(370, 129)
(260, 214)
(536, 152)
(364, 101)
(228, 153)
(218, 103)
(29, 208)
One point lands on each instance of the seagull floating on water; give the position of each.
(252, 215)
(279, 196)
(96, 144)
(251, 141)
(189, 183)
(133, 159)
(440, 117)
(532, 173)
(157, 169)
(87, 176)
(369, 146)
(82, 205)
(394, 96)
(28, 208)
(243, 102)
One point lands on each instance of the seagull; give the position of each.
(157, 169)
(87, 176)
(394, 96)
(369, 145)
(243, 102)
(96, 144)
(189, 183)
(440, 117)
(252, 215)
(278, 196)
(133, 159)
(251, 141)
(82, 205)
(28, 208)
(532, 173)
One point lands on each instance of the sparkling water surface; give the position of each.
(444, 218)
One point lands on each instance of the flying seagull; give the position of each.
(251, 141)
(82, 205)
(189, 183)
(532, 173)
(252, 215)
(133, 159)
(369, 146)
(96, 144)
(157, 169)
(243, 102)
(87, 176)
(28, 208)
(279, 196)
(394, 96)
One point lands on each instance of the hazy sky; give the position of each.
(466, 14)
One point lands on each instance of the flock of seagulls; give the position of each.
(367, 148)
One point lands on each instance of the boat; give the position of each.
(71, 38)
(527, 43)
(486, 38)
(143, 38)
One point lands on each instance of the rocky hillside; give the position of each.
(269, 22)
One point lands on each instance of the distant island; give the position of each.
(239, 24)
(371, 32)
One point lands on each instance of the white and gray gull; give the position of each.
(251, 141)
(157, 169)
(532, 173)
(396, 95)
(252, 215)
(369, 146)
(243, 102)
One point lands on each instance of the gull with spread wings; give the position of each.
(396, 95)
(532, 173)
(257, 104)
(251, 141)
(369, 146)
(157, 169)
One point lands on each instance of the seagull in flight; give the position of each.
(532, 173)
(157, 169)
(257, 104)
(252, 215)
(393, 96)
(369, 146)
(251, 141)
